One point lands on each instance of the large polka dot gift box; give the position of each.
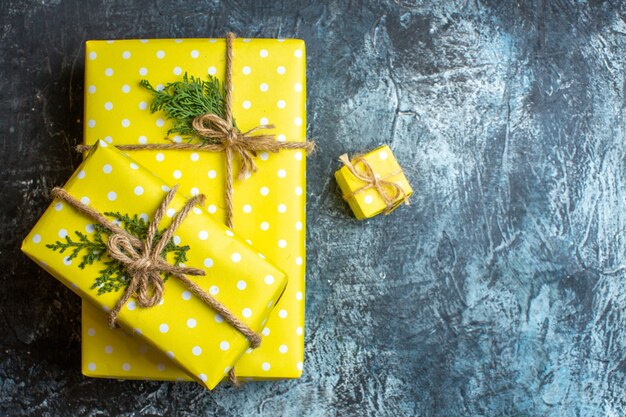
(193, 335)
(269, 205)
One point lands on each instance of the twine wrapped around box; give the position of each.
(144, 261)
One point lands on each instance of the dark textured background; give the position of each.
(499, 291)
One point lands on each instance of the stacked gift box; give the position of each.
(256, 270)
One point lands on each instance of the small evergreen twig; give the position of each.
(113, 277)
(183, 101)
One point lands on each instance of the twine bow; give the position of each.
(231, 139)
(372, 180)
(144, 262)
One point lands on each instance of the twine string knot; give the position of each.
(231, 139)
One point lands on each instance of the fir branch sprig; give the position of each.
(113, 277)
(95, 248)
(183, 101)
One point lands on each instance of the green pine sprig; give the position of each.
(113, 277)
(183, 101)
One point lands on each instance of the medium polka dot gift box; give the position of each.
(373, 183)
(269, 84)
(203, 262)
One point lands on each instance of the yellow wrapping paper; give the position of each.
(191, 333)
(368, 203)
(269, 87)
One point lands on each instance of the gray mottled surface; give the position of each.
(500, 291)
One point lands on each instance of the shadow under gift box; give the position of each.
(269, 80)
(189, 332)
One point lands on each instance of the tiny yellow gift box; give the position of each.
(373, 183)
(269, 80)
(194, 337)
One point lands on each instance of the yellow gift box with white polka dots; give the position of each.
(269, 206)
(368, 202)
(193, 335)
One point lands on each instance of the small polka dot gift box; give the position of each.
(201, 257)
(269, 87)
(373, 183)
